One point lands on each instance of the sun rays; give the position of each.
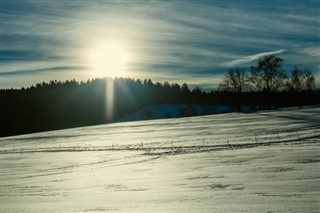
(109, 59)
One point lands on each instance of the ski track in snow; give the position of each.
(259, 162)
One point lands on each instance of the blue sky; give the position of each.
(176, 41)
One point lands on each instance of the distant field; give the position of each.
(259, 162)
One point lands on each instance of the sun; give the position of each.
(110, 59)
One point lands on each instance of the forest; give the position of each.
(57, 105)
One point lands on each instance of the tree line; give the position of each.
(57, 105)
(268, 76)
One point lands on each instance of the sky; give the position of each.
(177, 41)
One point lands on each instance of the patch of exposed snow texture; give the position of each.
(259, 162)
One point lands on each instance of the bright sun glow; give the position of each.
(110, 59)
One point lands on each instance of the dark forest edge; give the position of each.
(58, 105)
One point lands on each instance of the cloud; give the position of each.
(251, 58)
(313, 51)
(44, 70)
(27, 55)
(169, 39)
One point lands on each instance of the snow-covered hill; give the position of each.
(233, 162)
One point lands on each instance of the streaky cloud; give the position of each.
(189, 40)
(251, 58)
(42, 70)
(313, 51)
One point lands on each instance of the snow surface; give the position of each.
(259, 162)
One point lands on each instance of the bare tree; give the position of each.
(295, 82)
(268, 75)
(234, 80)
(309, 80)
(301, 80)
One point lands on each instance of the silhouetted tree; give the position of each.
(309, 80)
(197, 95)
(235, 80)
(268, 75)
(185, 93)
(301, 80)
(295, 81)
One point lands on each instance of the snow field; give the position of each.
(267, 161)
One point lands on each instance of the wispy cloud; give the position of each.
(251, 58)
(186, 40)
(313, 51)
(44, 70)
